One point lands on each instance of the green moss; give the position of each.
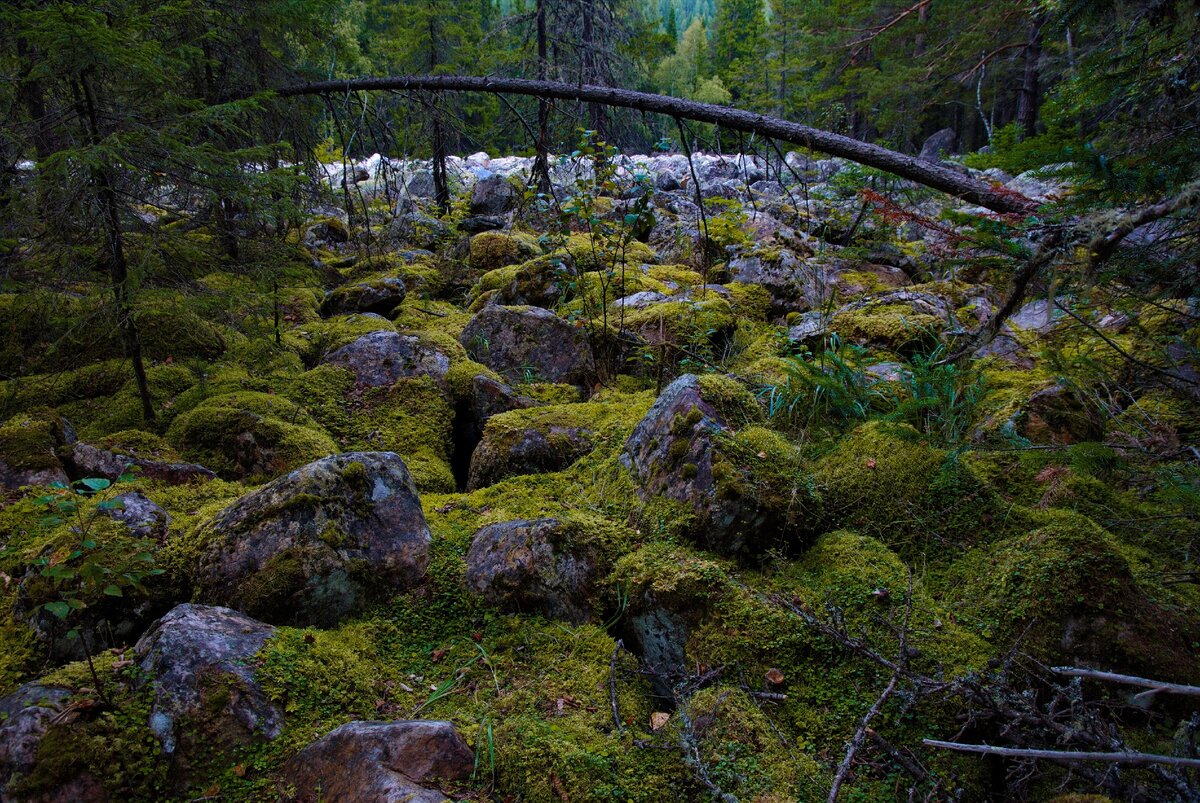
(692, 324)
(751, 302)
(55, 389)
(886, 481)
(249, 435)
(589, 256)
(101, 417)
(29, 442)
(732, 400)
(682, 276)
(857, 282)
(1074, 582)
(413, 418)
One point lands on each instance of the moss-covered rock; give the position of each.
(380, 296)
(249, 434)
(528, 344)
(746, 488)
(550, 566)
(318, 544)
(380, 358)
(536, 440)
(493, 249)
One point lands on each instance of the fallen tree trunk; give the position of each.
(929, 174)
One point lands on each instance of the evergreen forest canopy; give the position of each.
(577, 400)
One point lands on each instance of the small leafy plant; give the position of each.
(83, 573)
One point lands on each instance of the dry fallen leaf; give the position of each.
(658, 720)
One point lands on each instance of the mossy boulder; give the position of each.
(136, 451)
(200, 660)
(1073, 585)
(670, 590)
(380, 761)
(528, 344)
(481, 398)
(25, 716)
(549, 566)
(695, 321)
(29, 446)
(380, 358)
(541, 282)
(318, 544)
(493, 249)
(903, 321)
(534, 441)
(380, 296)
(249, 434)
(743, 484)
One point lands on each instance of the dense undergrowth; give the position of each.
(963, 512)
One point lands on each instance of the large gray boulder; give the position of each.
(939, 145)
(89, 460)
(378, 359)
(200, 660)
(547, 566)
(528, 343)
(380, 762)
(26, 716)
(318, 544)
(494, 195)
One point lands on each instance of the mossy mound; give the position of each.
(29, 446)
(1072, 585)
(535, 440)
(248, 435)
(894, 327)
(493, 249)
(122, 410)
(885, 480)
(55, 389)
(413, 417)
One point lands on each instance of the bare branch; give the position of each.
(1068, 756)
(1132, 680)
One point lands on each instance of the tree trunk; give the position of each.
(926, 173)
(541, 159)
(441, 187)
(588, 74)
(118, 268)
(1028, 96)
